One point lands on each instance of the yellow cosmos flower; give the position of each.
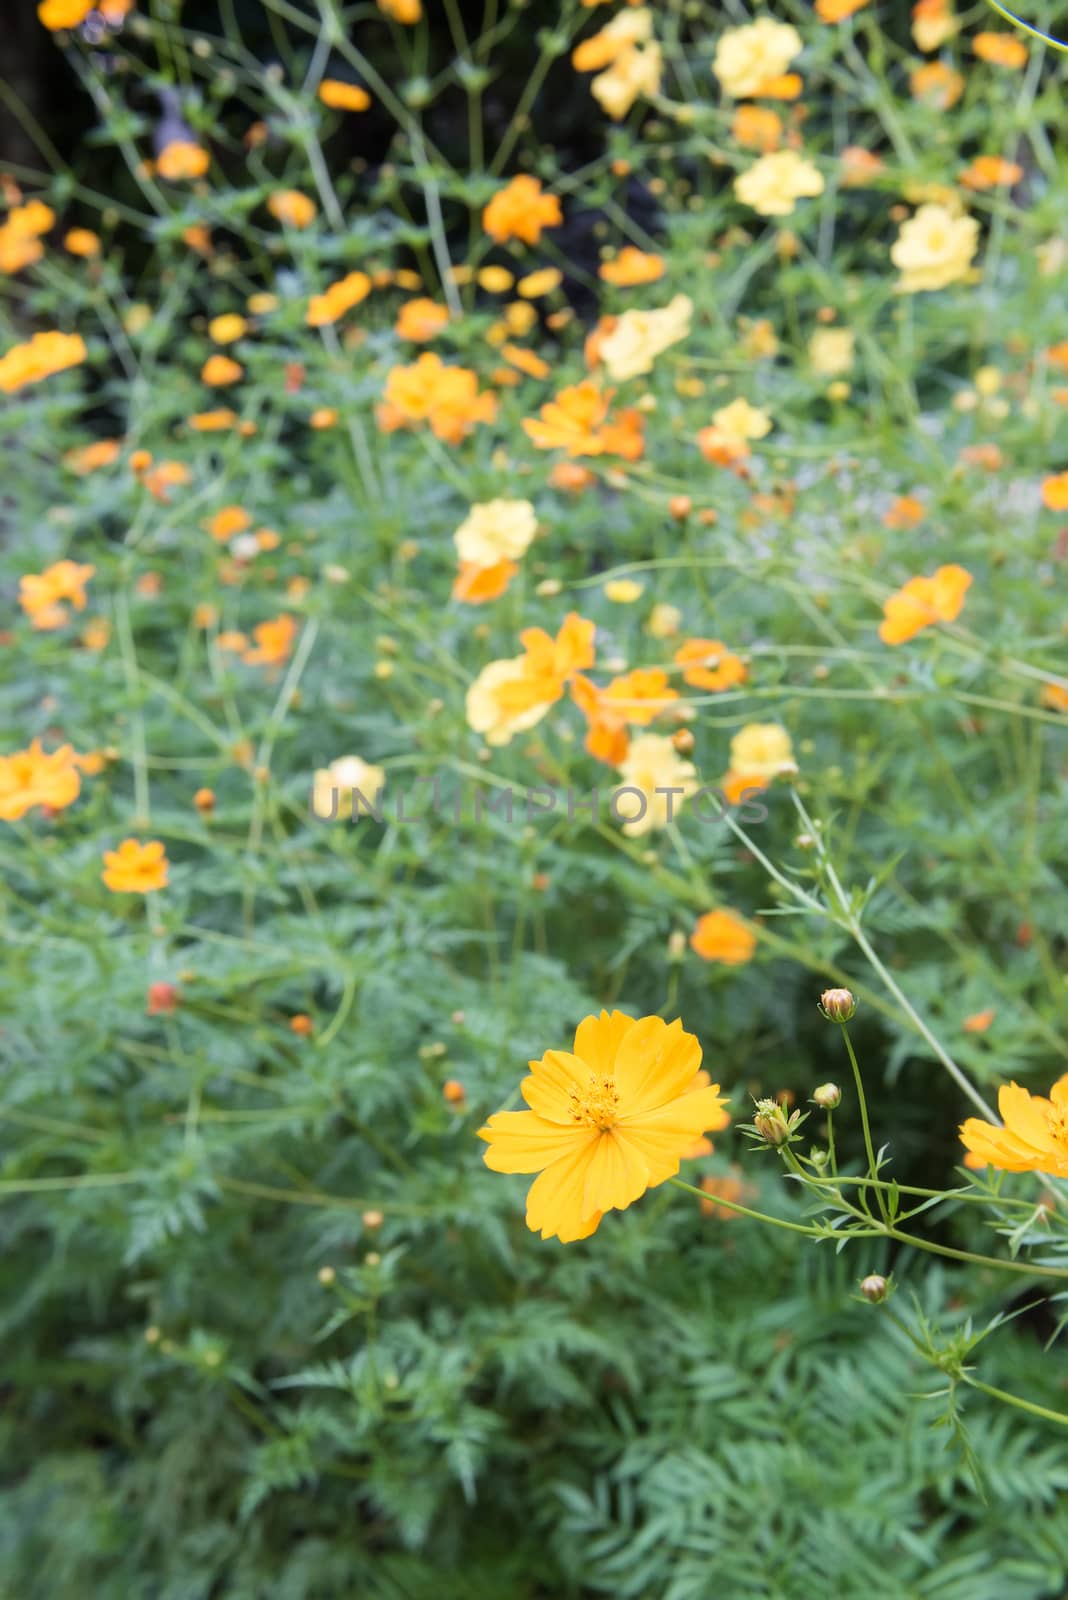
(748, 58)
(640, 336)
(830, 351)
(1035, 1135)
(496, 530)
(607, 1121)
(43, 355)
(934, 249)
(653, 768)
(135, 868)
(762, 750)
(350, 777)
(35, 777)
(774, 184)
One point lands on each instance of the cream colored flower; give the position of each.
(831, 350)
(652, 763)
(762, 750)
(933, 249)
(496, 530)
(748, 57)
(348, 775)
(633, 75)
(774, 184)
(740, 420)
(497, 704)
(664, 621)
(640, 336)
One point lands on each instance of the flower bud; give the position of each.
(837, 1005)
(874, 1288)
(828, 1097)
(326, 1276)
(162, 999)
(772, 1123)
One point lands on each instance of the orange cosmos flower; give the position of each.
(838, 10)
(979, 1022)
(291, 208)
(906, 512)
(56, 14)
(475, 585)
(521, 211)
(91, 457)
(45, 354)
(571, 422)
(570, 478)
(447, 398)
(1035, 1135)
(988, 172)
(1058, 354)
(526, 361)
(607, 738)
(212, 421)
(632, 266)
(182, 159)
(859, 166)
(757, 128)
(44, 596)
(1001, 49)
(732, 1186)
(1055, 492)
(786, 86)
(607, 1121)
(82, 242)
(135, 868)
(420, 320)
(20, 244)
(937, 85)
(406, 11)
(227, 521)
(986, 455)
(722, 936)
(274, 641)
(922, 602)
(218, 371)
(226, 328)
(323, 417)
(341, 96)
(708, 664)
(326, 308)
(34, 777)
(570, 651)
(1055, 696)
(165, 475)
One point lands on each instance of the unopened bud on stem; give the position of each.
(837, 1005)
(828, 1096)
(874, 1288)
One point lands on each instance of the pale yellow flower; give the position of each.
(498, 705)
(652, 763)
(664, 621)
(740, 420)
(831, 350)
(623, 591)
(633, 75)
(762, 750)
(934, 249)
(774, 184)
(640, 336)
(496, 530)
(747, 58)
(348, 774)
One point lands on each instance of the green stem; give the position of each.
(873, 1170)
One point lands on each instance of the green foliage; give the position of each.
(272, 1328)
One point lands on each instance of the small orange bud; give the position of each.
(680, 506)
(162, 999)
(453, 1091)
(204, 800)
(301, 1025)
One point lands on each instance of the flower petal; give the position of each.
(597, 1040)
(546, 1090)
(617, 1173)
(656, 1063)
(556, 1199)
(519, 1141)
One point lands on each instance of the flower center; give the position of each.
(1057, 1123)
(597, 1105)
